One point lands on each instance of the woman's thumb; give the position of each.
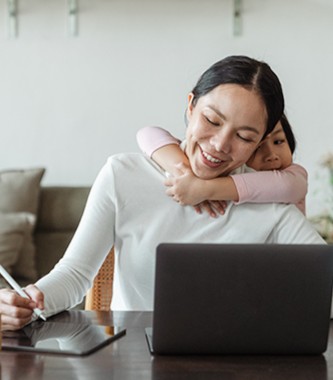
(36, 295)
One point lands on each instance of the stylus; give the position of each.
(19, 290)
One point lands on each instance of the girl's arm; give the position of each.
(151, 140)
(187, 189)
(281, 186)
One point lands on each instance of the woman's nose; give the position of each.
(221, 141)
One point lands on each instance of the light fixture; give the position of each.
(12, 18)
(73, 10)
(237, 17)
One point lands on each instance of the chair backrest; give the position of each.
(100, 295)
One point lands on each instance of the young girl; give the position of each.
(274, 178)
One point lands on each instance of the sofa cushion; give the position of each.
(19, 192)
(15, 232)
(61, 207)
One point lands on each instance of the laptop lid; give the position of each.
(242, 299)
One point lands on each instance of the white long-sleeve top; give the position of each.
(128, 208)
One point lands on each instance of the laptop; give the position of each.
(241, 299)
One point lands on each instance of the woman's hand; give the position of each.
(187, 189)
(17, 311)
(213, 208)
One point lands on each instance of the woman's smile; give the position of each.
(210, 160)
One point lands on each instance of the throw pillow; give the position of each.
(19, 192)
(15, 229)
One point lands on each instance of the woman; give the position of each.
(128, 208)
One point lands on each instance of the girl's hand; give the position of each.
(17, 311)
(185, 188)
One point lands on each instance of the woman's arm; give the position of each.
(66, 285)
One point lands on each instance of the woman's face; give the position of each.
(224, 129)
(273, 153)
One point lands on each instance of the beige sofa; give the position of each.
(36, 222)
(59, 212)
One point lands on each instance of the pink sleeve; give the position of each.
(152, 138)
(279, 186)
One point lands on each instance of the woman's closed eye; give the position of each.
(212, 121)
(244, 138)
(243, 135)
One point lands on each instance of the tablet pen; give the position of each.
(19, 290)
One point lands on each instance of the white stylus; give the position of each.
(19, 290)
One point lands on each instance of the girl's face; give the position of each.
(224, 129)
(273, 153)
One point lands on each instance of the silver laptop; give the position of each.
(241, 299)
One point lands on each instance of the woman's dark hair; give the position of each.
(249, 73)
(288, 132)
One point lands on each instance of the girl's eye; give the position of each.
(279, 142)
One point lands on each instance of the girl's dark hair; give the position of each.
(249, 73)
(288, 132)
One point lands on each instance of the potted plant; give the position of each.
(324, 221)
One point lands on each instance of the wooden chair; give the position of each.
(100, 295)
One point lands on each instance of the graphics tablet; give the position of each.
(73, 335)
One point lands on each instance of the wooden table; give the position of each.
(129, 358)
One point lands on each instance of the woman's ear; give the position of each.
(190, 105)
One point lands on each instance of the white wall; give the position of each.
(68, 103)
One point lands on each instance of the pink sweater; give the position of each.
(276, 186)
